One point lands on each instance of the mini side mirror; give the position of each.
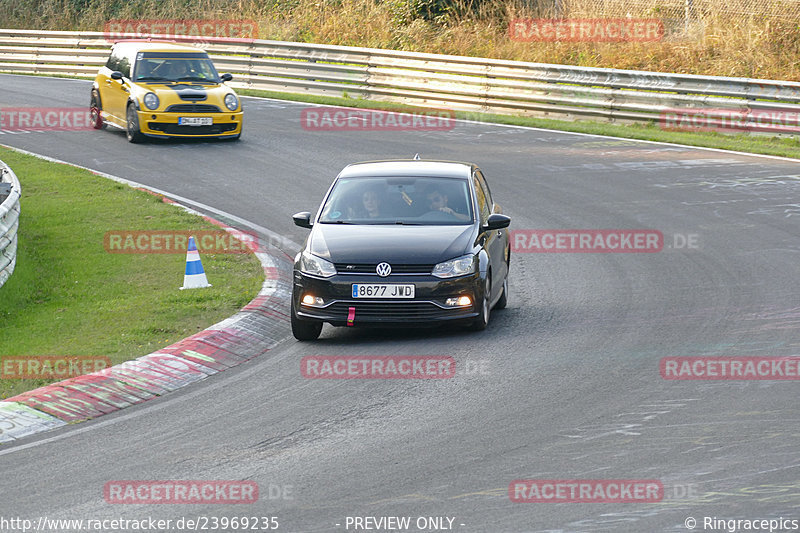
(226, 77)
(116, 75)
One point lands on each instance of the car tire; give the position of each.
(503, 301)
(482, 320)
(305, 330)
(94, 112)
(132, 130)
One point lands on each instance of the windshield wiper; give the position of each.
(395, 223)
(151, 78)
(196, 78)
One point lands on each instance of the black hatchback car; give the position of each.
(409, 242)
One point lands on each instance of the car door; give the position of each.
(114, 93)
(496, 240)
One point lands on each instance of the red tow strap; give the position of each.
(351, 316)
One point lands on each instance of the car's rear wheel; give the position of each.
(132, 131)
(94, 112)
(305, 330)
(482, 320)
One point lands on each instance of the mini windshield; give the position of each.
(174, 67)
(411, 201)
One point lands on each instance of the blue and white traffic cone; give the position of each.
(195, 277)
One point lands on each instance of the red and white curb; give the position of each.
(254, 330)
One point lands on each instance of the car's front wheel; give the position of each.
(94, 112)
(482, 320)
(132, 131)
(503, 301)
(305, 330)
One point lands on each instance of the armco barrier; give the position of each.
(9, 221)
(455, 82)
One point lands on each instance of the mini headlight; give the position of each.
(455, 267)
(316, 266)
(151, 101)
(231, 102)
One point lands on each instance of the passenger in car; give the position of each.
(437, 201)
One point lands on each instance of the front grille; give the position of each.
(386, 311)
(193, 108)
(369, 268)
(193, 97)
(171, 128)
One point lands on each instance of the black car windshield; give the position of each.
(401, 200)
(174, 67)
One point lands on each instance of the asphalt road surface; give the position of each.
(564, 384)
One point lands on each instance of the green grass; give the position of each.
(68, 296)
(785, 146)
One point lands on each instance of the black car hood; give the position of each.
(395, 244)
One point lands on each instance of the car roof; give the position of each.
(410, 168)
(158, 46)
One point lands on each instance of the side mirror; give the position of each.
(116, 75)
(226, 77)
(497, 221)
(303, 219)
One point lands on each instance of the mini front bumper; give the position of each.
(427, 308)
(160, 124)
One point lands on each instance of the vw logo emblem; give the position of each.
(383, 269)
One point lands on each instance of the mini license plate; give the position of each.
(195, 121)
(381, 290)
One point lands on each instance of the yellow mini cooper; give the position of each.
(162, 89)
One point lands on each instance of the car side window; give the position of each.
(485, 187)
(124, 66)
(113, 61)
(483, 205)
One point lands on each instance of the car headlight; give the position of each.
(316, 266)
(455, 267)
(151, 101)
(231, 102)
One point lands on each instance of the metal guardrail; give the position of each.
(454, 82)
(9, 222)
